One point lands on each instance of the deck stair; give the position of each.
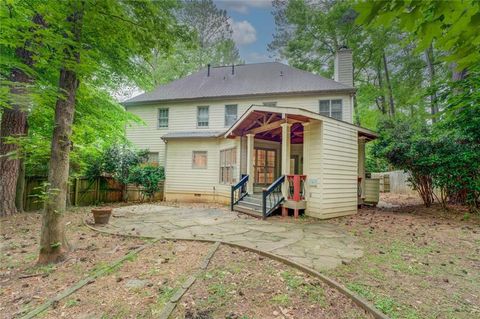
(251, 205)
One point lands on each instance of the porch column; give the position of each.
(361, 165)
(285, 155)
(250, 155)
(306, 156)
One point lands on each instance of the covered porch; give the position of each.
(273, 145)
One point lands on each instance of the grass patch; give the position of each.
(313, 291)
(384, 303)
(71, 303)
(164, 295)
(282, 299)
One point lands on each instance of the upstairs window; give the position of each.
(162, 117)
(202, 116)
(228, 160)
(199, 159)
(230, 114)
(331, 108)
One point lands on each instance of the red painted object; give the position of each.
(297, 181)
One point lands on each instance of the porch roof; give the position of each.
(260, 119)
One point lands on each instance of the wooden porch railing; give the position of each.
(296, 187)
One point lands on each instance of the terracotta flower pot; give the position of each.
(101, 215)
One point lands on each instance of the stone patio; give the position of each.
(314, 244)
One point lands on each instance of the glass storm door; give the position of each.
(264, 166)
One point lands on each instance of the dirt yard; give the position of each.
(237, 284)
(418, 262)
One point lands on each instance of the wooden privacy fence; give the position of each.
(394, 182)
(83, 191)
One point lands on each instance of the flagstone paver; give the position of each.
(317, 244)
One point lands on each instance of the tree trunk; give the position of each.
(381, 100)
(389, 86)
(20, 191)
(431, 72)
(14, 120)
(355, 110)
(13, 124)
(53, 243)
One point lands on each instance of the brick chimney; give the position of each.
(343, 66)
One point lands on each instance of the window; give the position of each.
(163, 117)
(199, 159)
(230, 114)
(270, 103)
(152, 157)
(202, 116)
(331, 108)
(228, 160)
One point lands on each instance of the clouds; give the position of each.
(243, 6)
(243, 32)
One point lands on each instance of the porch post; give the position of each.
(306, 156)
(285, 155)
(361, 166)
(250, 155)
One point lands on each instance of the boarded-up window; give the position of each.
(163, 117)
(228, 161)
(331, 108)
(202, 116)
(230, 114)
(199, 159)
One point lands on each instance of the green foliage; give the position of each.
(445, 156)
(116, 35)
(117, 160)
(147, 176)
(209, 41)
(308, 33)
(452, 25)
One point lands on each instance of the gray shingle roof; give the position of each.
(192, 134)
(248, 79)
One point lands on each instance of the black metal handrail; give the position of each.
(238, 191)
(273, 196)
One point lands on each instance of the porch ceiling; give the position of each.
(267, 126)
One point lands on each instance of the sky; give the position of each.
(253, 27)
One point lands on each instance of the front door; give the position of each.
(264, 166)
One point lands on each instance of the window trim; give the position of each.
(158, 117)
(208, 115)
(236, 114)
(330, 108)
(193, 160)
(232, 167)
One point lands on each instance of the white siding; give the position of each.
(333, 164)
(183, 117)
(181, 178)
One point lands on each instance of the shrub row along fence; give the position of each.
(83, 191)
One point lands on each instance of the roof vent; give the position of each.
(281, 73)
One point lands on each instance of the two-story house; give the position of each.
(257, 136)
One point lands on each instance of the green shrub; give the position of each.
(148, 176)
